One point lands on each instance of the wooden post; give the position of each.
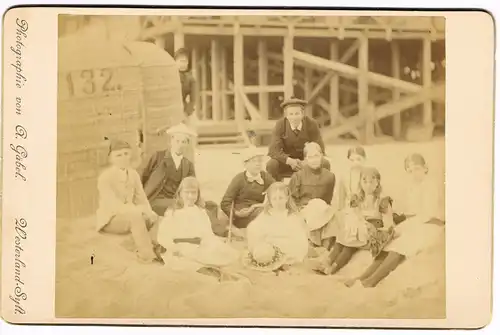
(178, 34)
(195, 68)
(427, 79)
(204, 85)
(238, 73)
(308, 87)
(288, 63)
(263, 76)
(363, 101)
(224, 84)
(334, 83)
(215, 71)
(160, 41)
(396, 69)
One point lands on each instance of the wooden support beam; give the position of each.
(427, 79)
(215, 74)
(352, 72)
(328, 77)
(238, 72)
(160, 41)
(178, 33)
(325, 105)
(396, 94)
(308, 88)
(204, 85)
(363, 99)
(195, 68)
(288, 63)
(334, 85)
(224, 84)
(263, 68)
(387, 110)
(259, 89)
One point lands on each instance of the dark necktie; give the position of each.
(296, 132)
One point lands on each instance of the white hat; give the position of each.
(317, 213)
(181, 129)
(250, 153)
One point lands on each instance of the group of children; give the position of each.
(280, 223)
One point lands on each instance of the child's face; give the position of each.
(178, 143)
(254, 165)
(416, 171)
(121, 158)
(189, 196)
(182, 63)
(278, 200)
(369, 184)
(294, 114)
(313, 159)
(356, 160)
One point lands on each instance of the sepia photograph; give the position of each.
(251, 166)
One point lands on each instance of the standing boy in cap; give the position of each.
(123, 205)
(166, 169)
(246, 190)
(188, 83)
(289, 137)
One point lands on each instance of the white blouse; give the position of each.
(424, 200)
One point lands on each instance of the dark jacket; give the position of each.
(308, 184)
(188, 85)
(155, 174)
(285, 143)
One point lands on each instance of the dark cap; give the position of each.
(116, 145)
(292, 101)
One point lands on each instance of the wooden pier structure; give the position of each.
(359, 73)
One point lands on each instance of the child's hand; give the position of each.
(244, 212)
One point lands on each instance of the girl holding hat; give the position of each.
(123, 205)
(186, 230)
(278, 236)
(423, 208)
(246, 190)
(312, 189)
(367, 223)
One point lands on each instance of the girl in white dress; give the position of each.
(280, 229)
(423, 208)
(186, 231)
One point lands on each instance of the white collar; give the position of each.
(299, 127)
(258, 178)
(177, 159)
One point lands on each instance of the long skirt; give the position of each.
(413, 236)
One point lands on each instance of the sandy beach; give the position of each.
(117, 286)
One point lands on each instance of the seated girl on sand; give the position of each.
(367, 223)
(312, 190)
(246, 190)
(186, 231)
(123, 205)
(277, 237)
(423, 208)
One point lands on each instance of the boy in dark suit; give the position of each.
(289, 137)
(166, 169)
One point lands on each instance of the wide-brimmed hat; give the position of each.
(181, 129)
(292, 101)
(317, 213)
(264, 257)
(250, 153)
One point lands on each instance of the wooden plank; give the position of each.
(323, 104)
(427, 78)
(259, 89)
(334, 84)
(352, 72)
(288, 63)
(178, 33)
(396, 94)
(308, 87)
(215, 73)
(224, 84)
(204, 84)
(195, 66)
(329, 76)
(387, 110)
(238, 72)
(363, 100)
(263, 68)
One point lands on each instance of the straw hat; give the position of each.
(317, 213)
(264, 257)
(181, 129)
(250, 153)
